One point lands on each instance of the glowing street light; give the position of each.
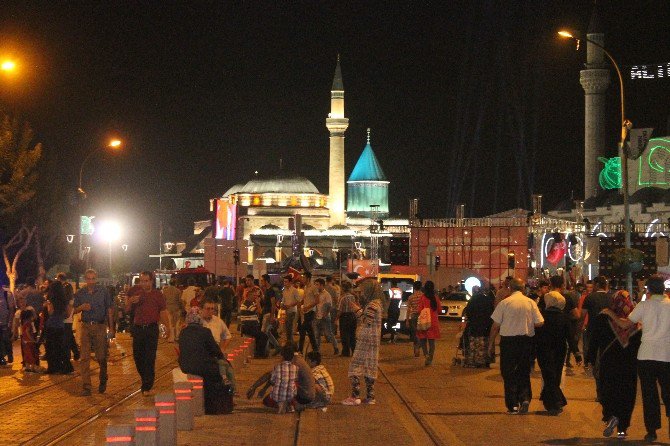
(109, 231)
(112, 144)
(8, 66)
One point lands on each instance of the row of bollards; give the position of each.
(172, 412)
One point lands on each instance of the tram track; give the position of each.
(60, 380)
(164, 371)
(117, 399)
(419, 419)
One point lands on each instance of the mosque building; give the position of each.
(258, 219)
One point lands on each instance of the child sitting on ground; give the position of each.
(29, 342)
(283, 379)
(324, 383)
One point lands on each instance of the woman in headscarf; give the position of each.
(427, 337)
(198, 355)
(365, 359)
(615, 349)
(478, 326)
(552, 340)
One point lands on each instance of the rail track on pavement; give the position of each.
(162, 373)
(422, 424)
(87, 413)
(60, 379)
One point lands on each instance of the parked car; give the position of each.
(453, 304)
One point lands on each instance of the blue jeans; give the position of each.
(323, 326)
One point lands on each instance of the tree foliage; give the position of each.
(19, 158)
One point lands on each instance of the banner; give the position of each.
(638, 141)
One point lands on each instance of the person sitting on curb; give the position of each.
(325, 388)
(198, 355)
(306, 385)
(283, 380)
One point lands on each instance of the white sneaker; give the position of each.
(351, 401)
(369, 401)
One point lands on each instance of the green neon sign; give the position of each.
(610, 175)
(654, 165)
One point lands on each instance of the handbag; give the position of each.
(423, 323)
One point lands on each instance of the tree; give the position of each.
(17, 244)
(18, 168)
(19, 160)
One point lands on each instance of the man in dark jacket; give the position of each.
(199, 354)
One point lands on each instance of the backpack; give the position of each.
(423, 323)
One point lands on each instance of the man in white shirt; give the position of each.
(653, 357)
(515, 318)
(221, 335)
(215, 324)
(290, 301)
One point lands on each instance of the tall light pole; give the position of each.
(626, 125)
(112, 144)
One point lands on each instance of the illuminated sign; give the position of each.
(658, 71)
(610, 176)
(226, 220)
(86, 225)
(654, 163)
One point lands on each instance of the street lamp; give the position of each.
(113, 144)
(626, 125)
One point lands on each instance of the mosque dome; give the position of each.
(277, 185)
(234, 189)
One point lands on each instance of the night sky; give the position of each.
(475, 102)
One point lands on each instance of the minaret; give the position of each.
(594, 79)
(337, 124)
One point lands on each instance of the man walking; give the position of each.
(310, 301)
(515, 318)
(174, 306)
(149, 306)
(97, 316)
(227, 302)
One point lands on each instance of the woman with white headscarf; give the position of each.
(368, 336)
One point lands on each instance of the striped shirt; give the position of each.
(322, 378)
(283, 380)
(346, 303)
(413, 304)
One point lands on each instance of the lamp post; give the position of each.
(626, 125)
(113, 144)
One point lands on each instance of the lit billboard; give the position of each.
(226, 220)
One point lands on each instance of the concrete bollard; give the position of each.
(167, 419)
(146, 427)
(198, 395)
(120, 435)
(183, 392)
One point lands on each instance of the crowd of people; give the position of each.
(623, 339)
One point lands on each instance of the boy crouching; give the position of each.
(283, 380)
